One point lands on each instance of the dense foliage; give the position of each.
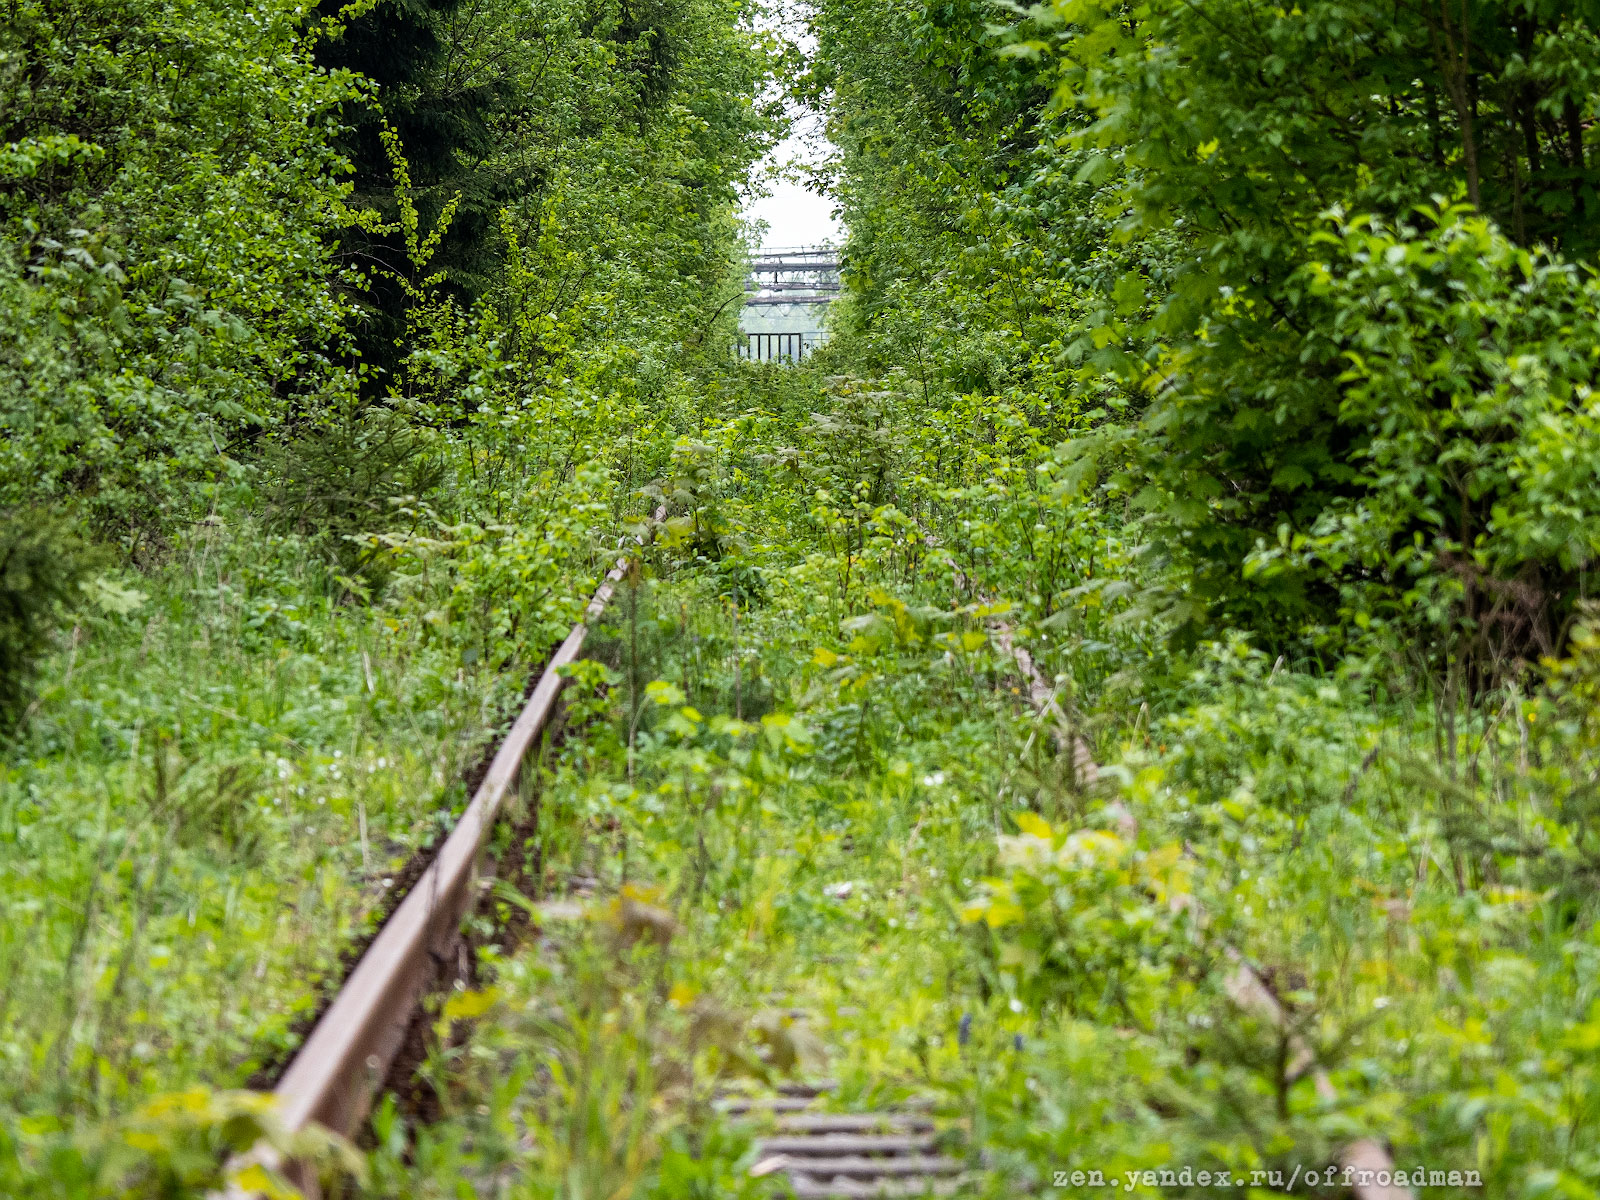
(1235, 363)
(1250, 354)
(168, 198)
(1318, 276)
(1328, 338)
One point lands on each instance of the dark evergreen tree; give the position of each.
(444, 128)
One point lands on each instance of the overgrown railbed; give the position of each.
(822, 790)
(1238, 362)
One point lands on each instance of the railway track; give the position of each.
(334, 1077)
(844, 1156)
(812, 1153)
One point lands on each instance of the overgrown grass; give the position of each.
(812, 856)
(213, 796)
(806, 776)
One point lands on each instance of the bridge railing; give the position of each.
(776, 347)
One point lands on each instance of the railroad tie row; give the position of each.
(846, 1156)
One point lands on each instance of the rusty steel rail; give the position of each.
(334, 1076)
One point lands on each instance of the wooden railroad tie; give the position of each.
(845, 1155)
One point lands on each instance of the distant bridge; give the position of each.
(777, 347)
(787, 277)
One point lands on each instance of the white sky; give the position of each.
(794, 216)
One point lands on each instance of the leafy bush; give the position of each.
(166, 192)
(342, 477)
(1425, 452)
(510, 589)
(1212, 267)
(1086, 920)
(1383, 391)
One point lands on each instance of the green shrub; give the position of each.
(1421, 445)
(337, 479)
(167, 285)
(1087, 920)
(1372, 417)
